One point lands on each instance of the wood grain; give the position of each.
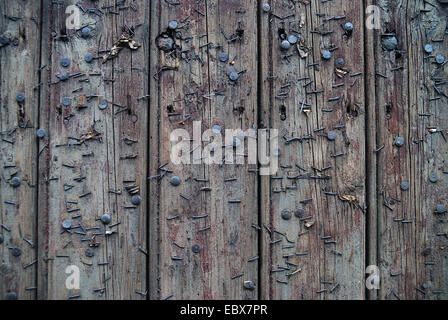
(19, 61)
(94, 156)
(199, 89)
(407, 222)
(328, 270)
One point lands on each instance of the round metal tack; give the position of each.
(63, 76)
(88, 57)
(196, 248)
(16, 252)
(136, 200)
(390, 43)
(440, 209)
(40, 133)
(65, 62)
(266, 7)
(433, 177)
(175, 181)
(223, 57)
(85, 32)
(102, 104)
(249, 285)
(234, 76)
(66, 101)
(339, 62)
(440, 59)
(331, 135)
(399, 142)
(20, 97)
(285, 45)
(66, 224)
(299, 212)
(105, 218)
(428, 48)
(326, 55)
(292, 39)
(286, 214)
(404, 186)
(173, 24)
(15, 182)
(348, 27)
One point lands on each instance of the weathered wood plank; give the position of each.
(19, 64)
(412, 255)
(297, 97)
(200, 90)
(95, 153)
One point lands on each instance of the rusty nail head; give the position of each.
(196, 248)
(105, 218)
(175, 181)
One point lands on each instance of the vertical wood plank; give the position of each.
(96, 157)
(19, 64)
(410, 102)
(198, 211)
(324, 178)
